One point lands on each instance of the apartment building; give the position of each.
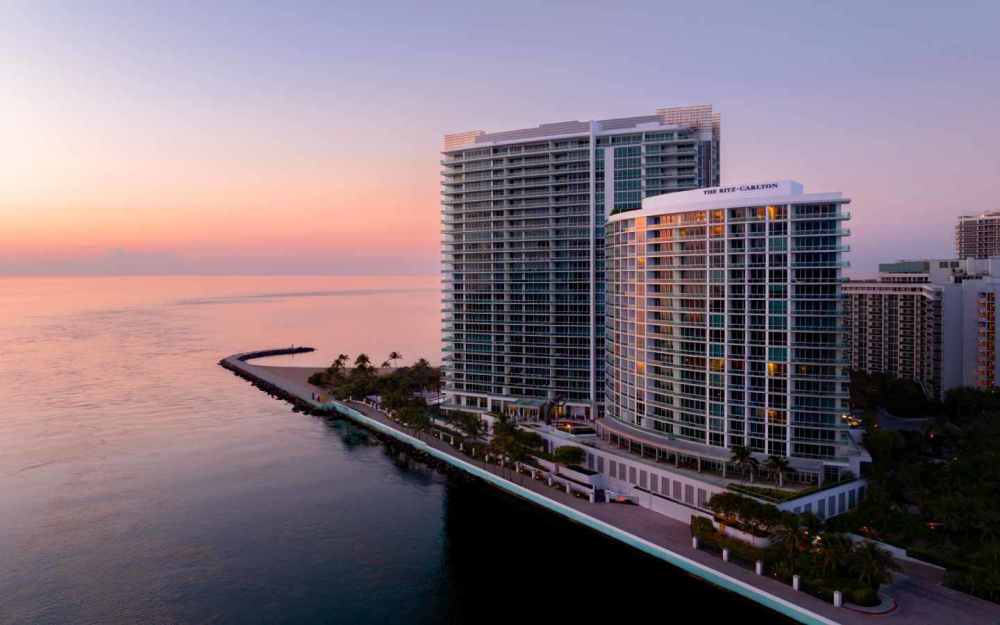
(978, 236)
(725, 328)
(930, 321)
(523, 215)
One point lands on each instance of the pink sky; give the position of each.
(168, 138)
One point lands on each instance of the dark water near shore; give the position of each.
(142, 483)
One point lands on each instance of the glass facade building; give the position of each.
(523, 215)
(725, 322)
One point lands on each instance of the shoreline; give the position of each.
(663, 538)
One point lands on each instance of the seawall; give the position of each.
(302, 402)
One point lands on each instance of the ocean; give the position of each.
(142, 483)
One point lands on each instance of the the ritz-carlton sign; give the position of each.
(743, 187)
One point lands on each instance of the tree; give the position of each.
(415, 417)
(872, 564)
(504, 445)
(318, 379)
(339, 363)
(394, 356)
(362, 361)
(511, 442)
(789, 540)
(833, 554)
(743, 458)
(778, 465)
(468, 422)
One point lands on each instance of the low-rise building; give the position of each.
(675, 484)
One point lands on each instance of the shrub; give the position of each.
(773, 495)
(816, 588)
(862, 595)
(982, 583)
(745, 513)
(702, 527)
(569, 454)
(935, 557)
(318, 379)
(741, 550)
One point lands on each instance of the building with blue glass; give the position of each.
(523, 216)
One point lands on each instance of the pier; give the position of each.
(918, 596)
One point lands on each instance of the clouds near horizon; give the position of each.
(303, 138)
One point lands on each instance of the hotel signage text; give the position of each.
(743, 187)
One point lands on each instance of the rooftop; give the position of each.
(699, 117)
(746, 194)
(986, 215)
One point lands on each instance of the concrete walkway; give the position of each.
(920, 599)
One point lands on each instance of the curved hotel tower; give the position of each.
(523, 215)
(724, 327)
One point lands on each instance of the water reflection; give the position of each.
(142, 483)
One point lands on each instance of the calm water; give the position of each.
(142, 483)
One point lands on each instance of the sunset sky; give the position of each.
(282, 138)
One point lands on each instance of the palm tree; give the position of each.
(743, 458)
(338, 364)
(790, 539)
(385, 364)
(394, 356)
(778, 465)
(873, 564)
(833, 554)
(362, 361)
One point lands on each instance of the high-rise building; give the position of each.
(978, 236)
(523, 249)
(930, 321)
(725, 327)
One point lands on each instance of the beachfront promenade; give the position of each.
(920, 598)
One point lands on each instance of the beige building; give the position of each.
(930, 321)
(978, 236)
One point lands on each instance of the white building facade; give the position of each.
(523, 216)
(725, 328)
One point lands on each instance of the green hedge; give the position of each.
(978, 582)
(705, 531)
(702, 526)
(862, 595)
(855, 592)
(936, 557)
(772, 495)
